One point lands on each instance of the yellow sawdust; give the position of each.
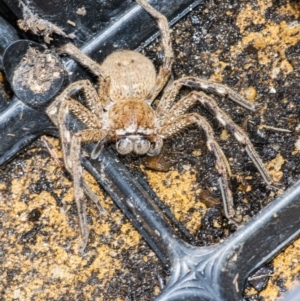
(218, 67)
(177, 190)
(272, 39)
(287, 269)
(274, 168)
(55, 267)
(252, 13)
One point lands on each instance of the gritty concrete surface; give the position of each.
(252, 46)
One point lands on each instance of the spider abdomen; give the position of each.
(132, 75)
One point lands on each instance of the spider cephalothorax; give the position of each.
(120, 112)
(130, 120)
(133, 124)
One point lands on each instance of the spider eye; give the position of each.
(124, 146)
(141, 146)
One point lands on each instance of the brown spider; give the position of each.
(121, 112)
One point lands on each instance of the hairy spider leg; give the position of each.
(165, 69)
(182, 121)
(168, 99)
(58, 112)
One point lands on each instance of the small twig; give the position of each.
(268, 127)
(260, 276)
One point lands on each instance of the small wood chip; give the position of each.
(81, 11)
(71, 23)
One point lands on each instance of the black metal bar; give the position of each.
(126, 192)
(8, 34)
(20, 125)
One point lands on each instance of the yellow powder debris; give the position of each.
(2, 186)
(251, 14)
(274, 168)
(56, 268)
(249, 93)
(224, 135)
(286, 266)
(17, 186)
(273, 38)
(219, 67)
(131, 236)
(176, 190)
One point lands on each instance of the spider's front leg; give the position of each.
(58, 111)
(93, 101)
(87, 62)
(72, 150)
(63, 104)
(166, 110)
(82, 59)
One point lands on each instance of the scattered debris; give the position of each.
(197, 153)
(250, 93)
(34, 215)
(31, 22)
(268, 127)
(274, 168)
(260, 278)
(159, 163)
(37, 70)
(297, 145)
(81, 11)
(224, 135)
(206, 197)
(71, 23)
